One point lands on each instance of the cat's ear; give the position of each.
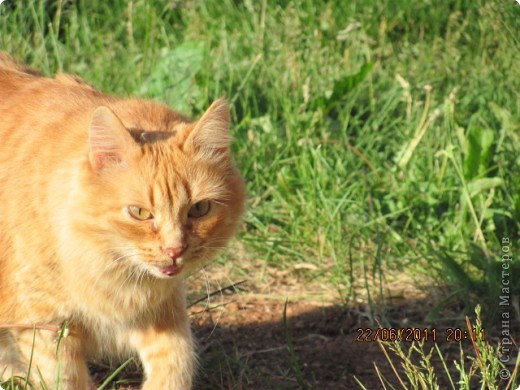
(110, 142)
(210, 135)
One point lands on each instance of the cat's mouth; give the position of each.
(171, 270)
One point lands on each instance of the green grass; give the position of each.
(376, 137)
(481, 370)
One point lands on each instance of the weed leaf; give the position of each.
(173, 78)
(346, 84)
(480, 142)
(477, 186)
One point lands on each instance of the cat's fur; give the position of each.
(71, 160)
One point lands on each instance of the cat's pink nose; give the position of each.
(175, 253)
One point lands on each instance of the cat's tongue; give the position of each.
(171, 270)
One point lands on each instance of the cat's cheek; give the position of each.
(206, 228)
(135, 230)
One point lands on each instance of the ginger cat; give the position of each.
(107, 204)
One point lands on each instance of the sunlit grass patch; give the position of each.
(376, 137)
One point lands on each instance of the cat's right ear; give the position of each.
(110, 143)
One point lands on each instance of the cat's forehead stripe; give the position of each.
(150, 136)
(151, 196)
(169, 193)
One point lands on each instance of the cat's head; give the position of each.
(160, 202)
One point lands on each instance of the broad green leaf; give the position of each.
(173, 78)
(346, 84)
(479, 152)
(477, 186)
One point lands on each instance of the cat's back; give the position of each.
(8, 63)
(38, 112)
(43, 128)
(13, 76)
(24, 90)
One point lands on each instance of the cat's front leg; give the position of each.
(54, 366)
(167, 354)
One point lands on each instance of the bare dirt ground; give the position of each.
(245, 343)
(253, 340)
(250, 345)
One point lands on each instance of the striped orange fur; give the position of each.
(107, 204)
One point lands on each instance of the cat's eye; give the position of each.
(199, 209)
(139, 213)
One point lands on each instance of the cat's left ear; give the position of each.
(110, 143)
(210, 135)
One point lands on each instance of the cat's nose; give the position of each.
(175, 253)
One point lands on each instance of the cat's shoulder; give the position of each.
(8, 63)
(73, 80)
(10, 68)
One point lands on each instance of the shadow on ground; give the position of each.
(244, 343)
(249, 346)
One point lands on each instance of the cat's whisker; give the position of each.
(208, 293)
(140, 277)
(115, 248)
(109, 265)
(212, 247)
(215, 324)
(128, 278)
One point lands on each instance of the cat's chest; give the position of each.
(115, 304)
(101, 338)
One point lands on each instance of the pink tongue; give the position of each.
(171, 270)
